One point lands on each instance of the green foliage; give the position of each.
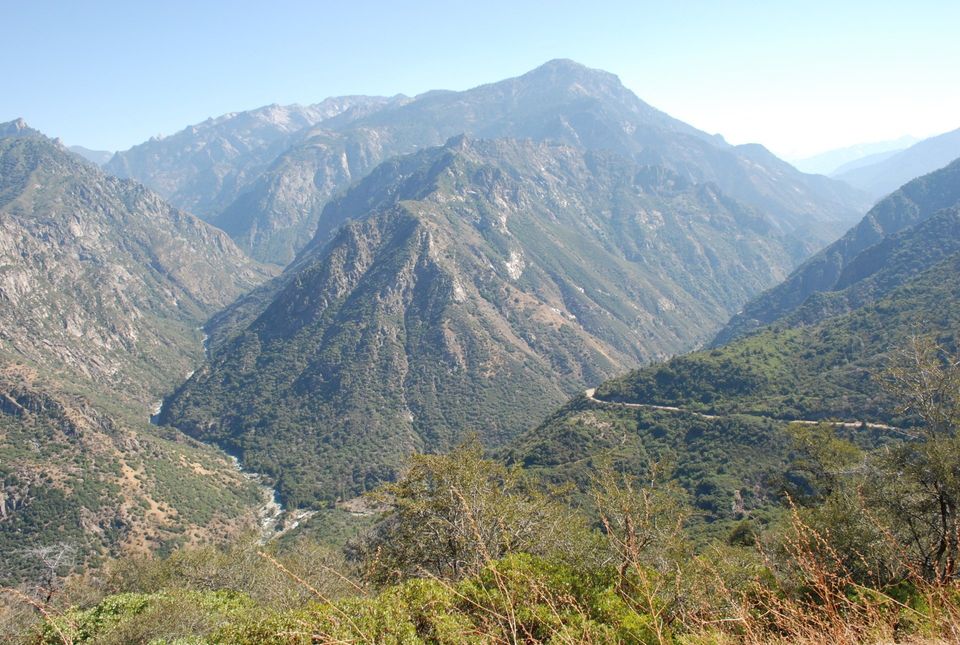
(822, 458)
(164, 617)
(891, 514)
(461, 569)
(816, 363)
(335, 527)
(744, 533)
(451, 514)
(275, 575)
(519, 598)
(728, 468)
(72, 476)
(817, 371)
(473, 550)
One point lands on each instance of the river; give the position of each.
(270, 515)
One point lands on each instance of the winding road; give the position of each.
(591, 392)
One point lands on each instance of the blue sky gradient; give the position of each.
(799, 77)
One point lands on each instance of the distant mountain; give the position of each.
(275, 212)
(468, 288)
(720, 429)
(99, 157)
(206, 166)
(835, 161)
(829, 269)
(18, 128)
(103, 288)
(885, 176)
(862, 162)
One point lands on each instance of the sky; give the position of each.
(799, 77)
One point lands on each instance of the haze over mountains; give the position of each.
(833, 162)
(272, 206)
(206, 166)
(300, 347)
(467, 287)
(17, 128)
(893, 283)
(887, 174)
(99, 157)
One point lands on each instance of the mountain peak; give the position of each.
(458, 142)
(570, 70)
(563, 64)
(18, 128)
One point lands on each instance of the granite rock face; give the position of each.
(101, 277)
(203, 168)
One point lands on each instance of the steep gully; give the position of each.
(271, 514)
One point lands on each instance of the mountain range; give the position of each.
(271, 185)
(456, 263)
(834, 162)
(469, 288)
(886, 174)
(102, 278)
(205, 167)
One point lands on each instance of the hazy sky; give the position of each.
(799, 77)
